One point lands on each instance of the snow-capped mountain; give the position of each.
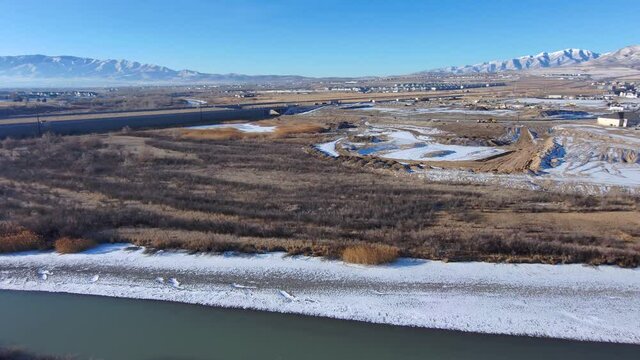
(543, 60)
(71, 66)
(61, 70)
(626, 57)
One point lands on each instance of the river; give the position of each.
(112, 328)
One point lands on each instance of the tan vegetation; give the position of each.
(14, 237)
(215, 134)
(269, 194)
(229, 133)
(370, 254)
(67, 245)
(297, 128)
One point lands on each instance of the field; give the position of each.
(173, 189)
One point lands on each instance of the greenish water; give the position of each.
(110, 328)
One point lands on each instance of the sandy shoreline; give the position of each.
(559, 301)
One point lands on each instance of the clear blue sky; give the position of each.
(316, 38)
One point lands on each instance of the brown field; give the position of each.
(275, 193)
(215, 134)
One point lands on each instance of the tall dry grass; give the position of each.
(370, 254)
(14, 237)
(298, 128)
(67, 245)
(214, 134)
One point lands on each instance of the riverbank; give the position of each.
(559, 301)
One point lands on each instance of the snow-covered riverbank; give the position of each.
(566, 301)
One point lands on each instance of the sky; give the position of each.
(313, 38)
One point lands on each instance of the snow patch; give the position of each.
(248, 128)
(329, 148)
(564, 301)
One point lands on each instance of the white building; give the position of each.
(629, 95)
(620, 119)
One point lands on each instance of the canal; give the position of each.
(111, 328)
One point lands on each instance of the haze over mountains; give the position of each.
(62, 70)
(42, 70)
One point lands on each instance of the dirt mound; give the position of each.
(547, 157)
(620, 155)
(520, 157)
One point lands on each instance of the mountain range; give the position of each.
(542, 60)
(71, 69)
(42, 70)
(628, 57)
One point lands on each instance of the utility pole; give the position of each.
(38, 121)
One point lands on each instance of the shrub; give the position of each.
(67, 245)
(214, 134)
(293, 129)
(370, 254)
(14, 237)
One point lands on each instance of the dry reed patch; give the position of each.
(215, 134)
(370, 254)
(67, 245)
(294, 129)
(282, 130)
(14, 238)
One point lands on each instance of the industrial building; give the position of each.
(620, 119)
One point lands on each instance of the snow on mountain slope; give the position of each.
(71, 66)
(61, 69)
(542, 60)
(626, 57)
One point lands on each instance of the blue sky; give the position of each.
(315, 38)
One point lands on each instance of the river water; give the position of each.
(111, 328)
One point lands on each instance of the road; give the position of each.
(105, 122)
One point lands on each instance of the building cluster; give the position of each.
(43, 96)
(625, 90)
(414, 87)
(629, 90)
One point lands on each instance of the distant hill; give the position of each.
(542, 60)
(57, 71)
(626, 57)
(71, 70)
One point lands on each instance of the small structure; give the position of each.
(620, 119)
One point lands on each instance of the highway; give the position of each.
(20, 127)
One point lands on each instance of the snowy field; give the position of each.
(408, 142)
(407, 111)
(246, 127)
(441, 152)
(328, 148)
(561, 301)
(586, 158)
(561, 103)
(595, 155)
